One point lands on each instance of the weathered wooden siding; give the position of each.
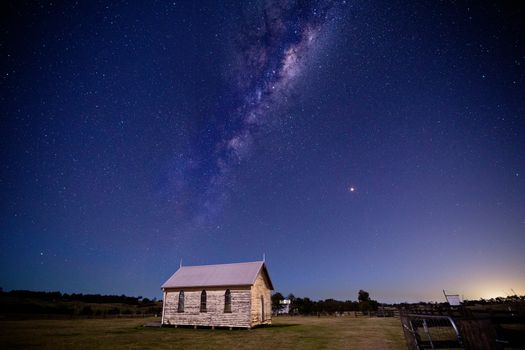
(261, 288)
(214, 315)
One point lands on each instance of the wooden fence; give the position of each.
(502, 331)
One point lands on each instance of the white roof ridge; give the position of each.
(238, 263)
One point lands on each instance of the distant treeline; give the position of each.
(498, 300)
(86, 298)
(75, 304)
(306, 306)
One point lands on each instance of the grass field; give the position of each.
(128, 333)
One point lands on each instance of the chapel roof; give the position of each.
(237, 274)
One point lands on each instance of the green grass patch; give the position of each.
(285, 333)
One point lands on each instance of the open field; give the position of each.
(286, 333)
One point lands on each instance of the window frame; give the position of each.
(228, 301)
(204, 300)
(180, 305)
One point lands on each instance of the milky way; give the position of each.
(274, 48)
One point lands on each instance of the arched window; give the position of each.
(227, 301)
(180, 308)
(203, 301)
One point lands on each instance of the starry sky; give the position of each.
(373, 145)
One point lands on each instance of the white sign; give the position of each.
(453, 300)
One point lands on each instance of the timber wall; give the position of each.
(214, 315)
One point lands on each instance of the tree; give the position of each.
(276, 302)
(365, 303)
(304, 306)
(293, 304)
(364, 300)
(363, 296)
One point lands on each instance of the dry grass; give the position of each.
(286, 333)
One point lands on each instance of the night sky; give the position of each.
(359, 145)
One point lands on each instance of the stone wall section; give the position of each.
(261, 289)
(214, 315)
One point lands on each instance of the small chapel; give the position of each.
(224, 295)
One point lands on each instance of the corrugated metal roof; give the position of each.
(238, 274)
